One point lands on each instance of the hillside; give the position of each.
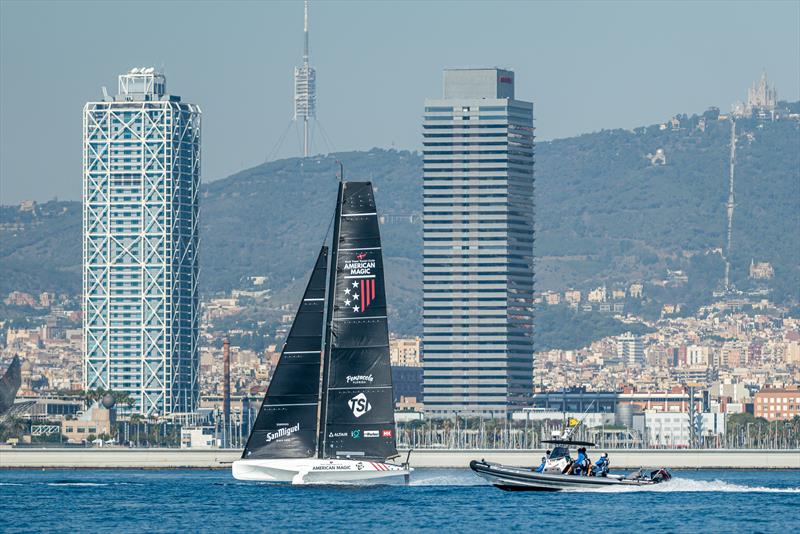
(604, 214)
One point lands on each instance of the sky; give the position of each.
(586, 66)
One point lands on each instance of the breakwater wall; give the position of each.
(123, 458)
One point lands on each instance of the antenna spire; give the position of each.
(305, 33)
(730, 206)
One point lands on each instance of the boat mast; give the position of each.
(329, 301)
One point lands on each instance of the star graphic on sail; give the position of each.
(361, 295)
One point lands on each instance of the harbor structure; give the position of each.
(141, 175)
(478, 246)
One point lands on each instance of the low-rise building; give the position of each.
(635, 291)
(201, 437)
(777, 404)
(94, 422)
(405, 352)
(552, 298)
(671, 430)
(597, 294)
(761, 270)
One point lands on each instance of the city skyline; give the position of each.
(532, 277)
(248, 86)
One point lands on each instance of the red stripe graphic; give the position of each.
(379, 467)
(367, 289)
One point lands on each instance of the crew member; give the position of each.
(600, 467)
(581, 464)
(541, 465)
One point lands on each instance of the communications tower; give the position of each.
(305, 88)
(729, 208)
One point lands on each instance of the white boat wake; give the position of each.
(688, 485)
(444, 477)
(456, 477)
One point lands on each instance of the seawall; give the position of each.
(122, 458)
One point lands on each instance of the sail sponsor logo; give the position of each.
(360, 379)
(281, 433)
(360, 265)
(356, 434)
(371, 433)
(361, 287)
(359, 405)
(337, 434)
(387, 433)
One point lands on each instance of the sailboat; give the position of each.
(328, 414)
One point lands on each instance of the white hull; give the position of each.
(314, 470)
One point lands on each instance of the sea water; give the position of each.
(447, 500)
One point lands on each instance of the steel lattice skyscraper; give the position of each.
(141, 174)
(478, 245)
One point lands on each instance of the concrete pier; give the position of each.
(123, 458)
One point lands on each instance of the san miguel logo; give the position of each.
(361, 287)
(280, 433)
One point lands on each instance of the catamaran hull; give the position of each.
(315, 471)
(521, 479)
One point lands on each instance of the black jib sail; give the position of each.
(286, 425)
(357, 416)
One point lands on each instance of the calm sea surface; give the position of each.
(449, 500)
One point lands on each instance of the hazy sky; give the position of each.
(586, 66)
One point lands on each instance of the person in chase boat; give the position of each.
(581, 464)
(600, 467)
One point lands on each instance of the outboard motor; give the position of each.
(660, 475)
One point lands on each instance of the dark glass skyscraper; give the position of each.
(478, 245)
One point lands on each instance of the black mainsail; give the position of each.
(357, 412)
(286, 425)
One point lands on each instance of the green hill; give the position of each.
(604, 214)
